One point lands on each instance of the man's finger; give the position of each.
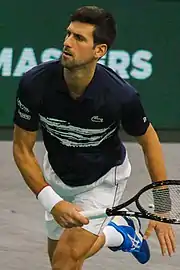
(83, 219)
(80, 218)
(162, 242)
(73, 223)
(169, 245)
(173, 240)
(77, 207)
(148, 232)
(61, 222)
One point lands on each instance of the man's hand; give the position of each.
(67, 215)
(165, 235)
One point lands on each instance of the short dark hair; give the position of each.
(105, 25)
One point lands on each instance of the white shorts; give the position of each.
(105, 192)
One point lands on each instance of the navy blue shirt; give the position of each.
(81, 136)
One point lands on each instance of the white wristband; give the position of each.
(48, 198)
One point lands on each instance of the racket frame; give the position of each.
(115, 211)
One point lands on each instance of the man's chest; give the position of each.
(88, 113)
(77, 124)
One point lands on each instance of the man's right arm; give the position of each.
(26, 125)
(65, 213)
(30, 170)
(26, 121)
(23, 143)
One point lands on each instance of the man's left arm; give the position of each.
(156, 167)
(135, 123)
(153, 154)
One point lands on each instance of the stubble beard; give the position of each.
(72, 64)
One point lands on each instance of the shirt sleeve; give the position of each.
(134, 120)
(26, 114)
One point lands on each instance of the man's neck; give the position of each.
(77, 80)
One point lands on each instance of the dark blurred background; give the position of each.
(146, 52)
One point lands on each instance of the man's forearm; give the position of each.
(30, 170)
(154, 160)
(34, 178)
(153, 154)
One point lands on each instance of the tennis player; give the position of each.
(79, 105)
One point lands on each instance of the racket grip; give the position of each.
(94, 214)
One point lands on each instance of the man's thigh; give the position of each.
(51, 248)
(102, 196)
(74, 244)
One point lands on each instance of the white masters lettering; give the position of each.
(6, 61)
(74, 136)
(137, 64)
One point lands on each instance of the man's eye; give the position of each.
(80, 38)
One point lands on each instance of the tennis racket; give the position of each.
(158, 201)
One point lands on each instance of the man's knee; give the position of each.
(66, 251)
(72, 248)
(65, 257)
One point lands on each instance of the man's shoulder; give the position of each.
(116, 85)
(41, 73)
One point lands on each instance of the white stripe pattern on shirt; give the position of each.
(74, 136)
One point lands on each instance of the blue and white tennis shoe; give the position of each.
(133, 239)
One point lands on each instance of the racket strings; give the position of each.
(162, 201)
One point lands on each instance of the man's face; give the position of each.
(78, 47)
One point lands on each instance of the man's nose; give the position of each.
(68, 41)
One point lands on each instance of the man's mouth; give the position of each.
(67, 53)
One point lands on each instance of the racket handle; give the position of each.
(95, 214)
